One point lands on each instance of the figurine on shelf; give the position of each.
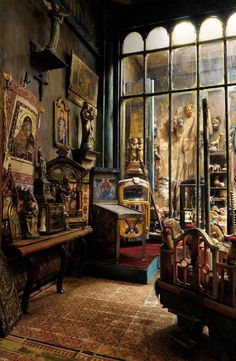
(30, 213)
(215, 135)
(87, 118)
(133, 149)
(140, 149)
(57, 16)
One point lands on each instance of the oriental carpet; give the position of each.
(98, 319)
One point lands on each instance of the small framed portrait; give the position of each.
(104, 183)
(61, 123)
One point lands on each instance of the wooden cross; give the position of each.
(26, 80)
(42, 79)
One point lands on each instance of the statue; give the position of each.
(133, 149)
(87, 118)
(42, 164)
(187, 144)
(140, 150)
(30, 213)
(215, 135)
(57, 16)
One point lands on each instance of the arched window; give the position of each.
(231, 26)
(132, 43)
(157, 38)
(184, 33)
(163, 80)
(210, 29)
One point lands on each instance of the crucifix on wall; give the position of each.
(42, 80)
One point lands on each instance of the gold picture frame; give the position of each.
(23, 131)
(83, 84)
(61, 124)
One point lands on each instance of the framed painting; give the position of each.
(23, 132)
(61, 124)
(83, 84)
(22, 117)
(104, 184)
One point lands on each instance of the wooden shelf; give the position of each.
(219, 173)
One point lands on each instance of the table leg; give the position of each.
(29, 285)
(62, 253)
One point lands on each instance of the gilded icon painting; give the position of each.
(61, 123)
(83, 83)
(23, 132)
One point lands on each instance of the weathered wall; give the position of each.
(27, 21)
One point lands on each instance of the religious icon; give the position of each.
(131, 227)
(23, 142)
(23, 133)
(83, 84)
(61, 123)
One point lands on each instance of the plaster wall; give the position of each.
(27, 21)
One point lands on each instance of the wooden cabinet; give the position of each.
(218, 188)
(111, 220)
(218, 179)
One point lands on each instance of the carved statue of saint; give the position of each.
(30, 213)
(87, 118)
(42, 164)
(57, 16)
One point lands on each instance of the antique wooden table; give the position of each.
(27, 248)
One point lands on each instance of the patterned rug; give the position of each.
(99, 319)
(19, 349)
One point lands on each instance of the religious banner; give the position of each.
(21, 122)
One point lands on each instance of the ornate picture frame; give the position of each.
(83, 85)
(23, 132)
(104, 185)
(61, 124)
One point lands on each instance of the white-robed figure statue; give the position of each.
(56, 14)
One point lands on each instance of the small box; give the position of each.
(51, 218)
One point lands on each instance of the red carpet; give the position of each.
(130, 267)
(130, 256)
